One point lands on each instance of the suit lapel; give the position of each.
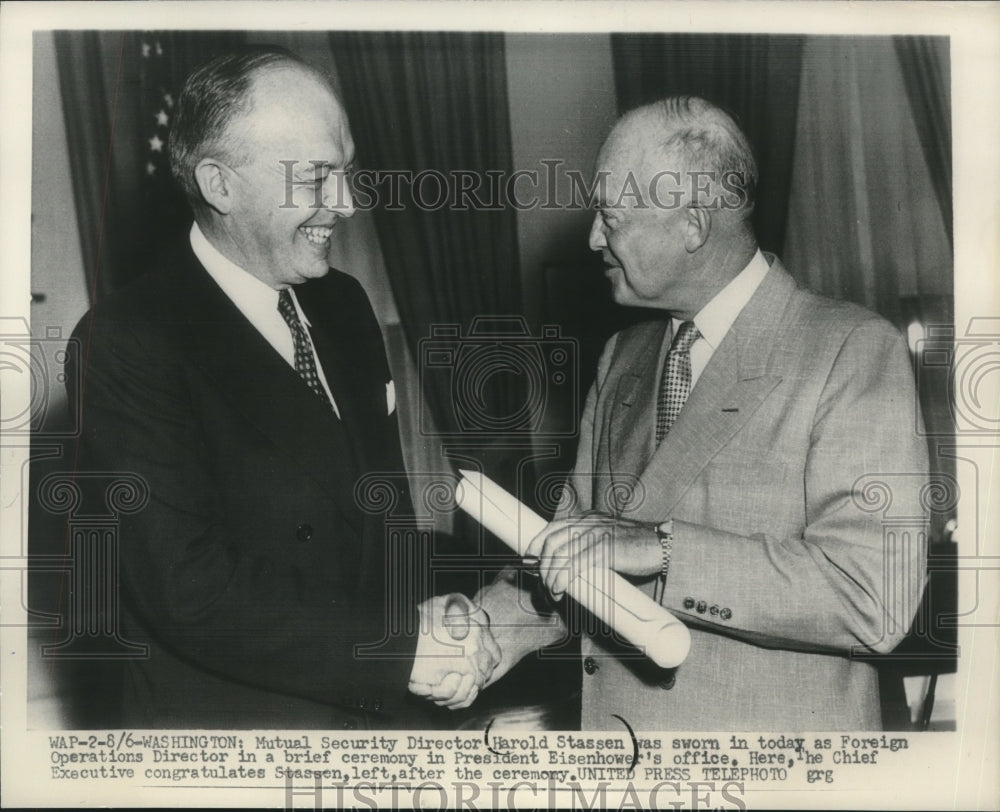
(631, 434)
(360, 395)
(730, 389)
(258, 383)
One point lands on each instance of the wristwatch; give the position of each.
(665, 533)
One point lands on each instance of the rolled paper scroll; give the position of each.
(631, 613)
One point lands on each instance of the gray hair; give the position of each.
(707, 139)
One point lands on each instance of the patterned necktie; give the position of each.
(305, 362)
(676, 382)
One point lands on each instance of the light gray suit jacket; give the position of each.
(783, 565)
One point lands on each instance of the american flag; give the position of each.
(119, 92)
(158, 94)
(163, 60)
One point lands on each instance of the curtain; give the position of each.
(926, 74)
(118, 89)
(437, 102)
(753, 77)
(864, 222)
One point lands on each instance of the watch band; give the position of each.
(665, 533)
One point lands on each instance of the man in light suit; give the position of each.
(742, 424)
(246, 382)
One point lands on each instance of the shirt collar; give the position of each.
(257, 300)
(714, 319)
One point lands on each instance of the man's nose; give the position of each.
(597, 240)
(338, 197)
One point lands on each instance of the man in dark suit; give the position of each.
(729, 454)
(247, 383)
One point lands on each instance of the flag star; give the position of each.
(156, 144)
(159, 48)
(169, 99)
(150, 168)
(162, 118)
(145, 50)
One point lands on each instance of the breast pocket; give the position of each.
(746, 497)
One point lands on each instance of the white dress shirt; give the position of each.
(714, 319)
(258, 302)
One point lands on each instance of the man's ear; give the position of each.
(698, 227)
(213, 179)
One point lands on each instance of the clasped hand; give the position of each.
(456, 652)
(564, 549)
(594, 541)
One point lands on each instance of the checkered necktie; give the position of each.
(305, 362)
(676, 382)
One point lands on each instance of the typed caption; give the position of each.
(482, 770)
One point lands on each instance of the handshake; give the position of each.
(456, 652)
(583, 555)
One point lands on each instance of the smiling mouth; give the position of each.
(317, 235)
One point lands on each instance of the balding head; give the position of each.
(676, 181)
(695, 139)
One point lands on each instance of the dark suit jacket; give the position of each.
(252, 573)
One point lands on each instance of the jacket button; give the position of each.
(689, 603)
(713, 609)
(669, 681)
(725, 614)
(304, 532)
(590, 665)
(701, 607)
